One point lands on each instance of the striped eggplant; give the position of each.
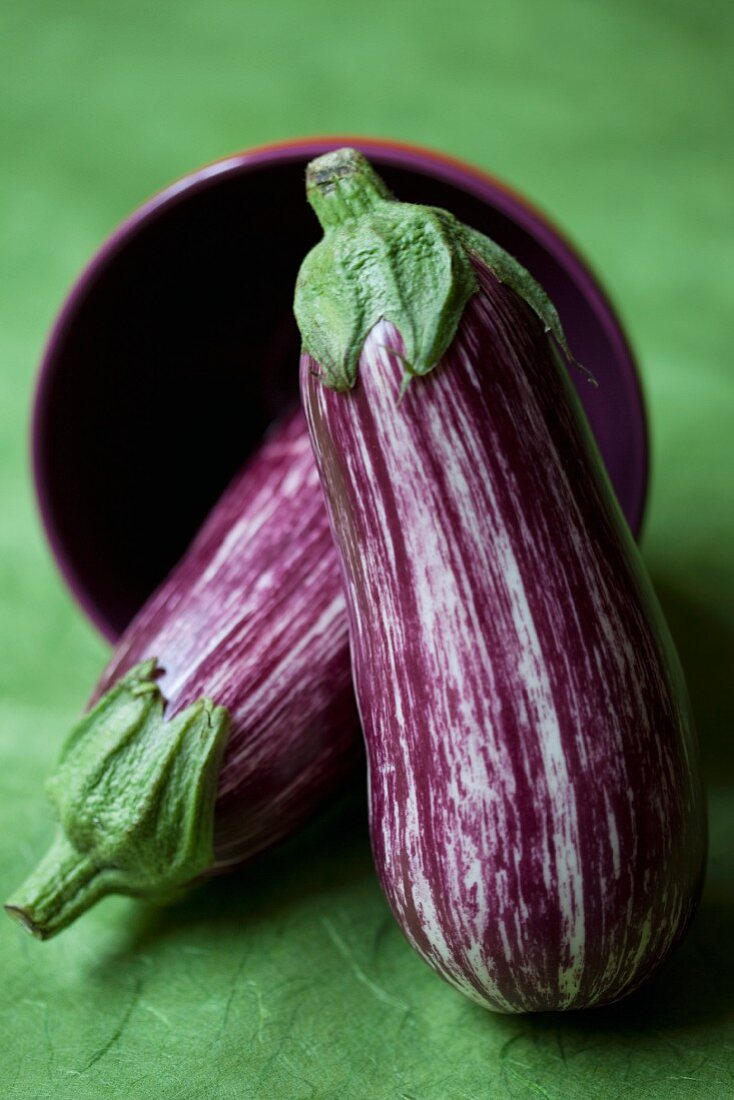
(536, 811)
(226, 713)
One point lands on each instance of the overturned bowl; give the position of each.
(177, 347)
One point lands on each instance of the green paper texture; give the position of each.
(289, 979)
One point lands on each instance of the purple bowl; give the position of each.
(177, 347)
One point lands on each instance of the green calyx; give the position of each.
(381, 259)
(134, 795)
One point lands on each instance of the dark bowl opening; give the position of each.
(178, 348)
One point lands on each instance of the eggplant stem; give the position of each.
(64, 884)
(135, 795)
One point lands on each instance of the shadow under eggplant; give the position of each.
(330, 861)
(330, 854)
(705, 645)
(695, 987)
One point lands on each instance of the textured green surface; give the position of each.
(290, 980)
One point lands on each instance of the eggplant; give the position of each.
(536, 810)
(226, 714)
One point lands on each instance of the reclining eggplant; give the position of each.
(226, 714)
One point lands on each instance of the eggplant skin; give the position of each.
(537, 816)
(254, 617)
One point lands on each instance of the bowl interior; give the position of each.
(173, 359)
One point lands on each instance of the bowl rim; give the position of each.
(483, 185)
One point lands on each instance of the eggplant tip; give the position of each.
(23, 918)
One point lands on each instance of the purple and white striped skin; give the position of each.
(226, 715)
(253, 616)
(537, 818)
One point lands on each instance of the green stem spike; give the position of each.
(134, 795)
(381, 259)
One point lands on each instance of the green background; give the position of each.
(290, 980)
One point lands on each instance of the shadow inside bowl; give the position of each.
(178, 348)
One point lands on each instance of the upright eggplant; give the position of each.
(537, 817)
(226, 714)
